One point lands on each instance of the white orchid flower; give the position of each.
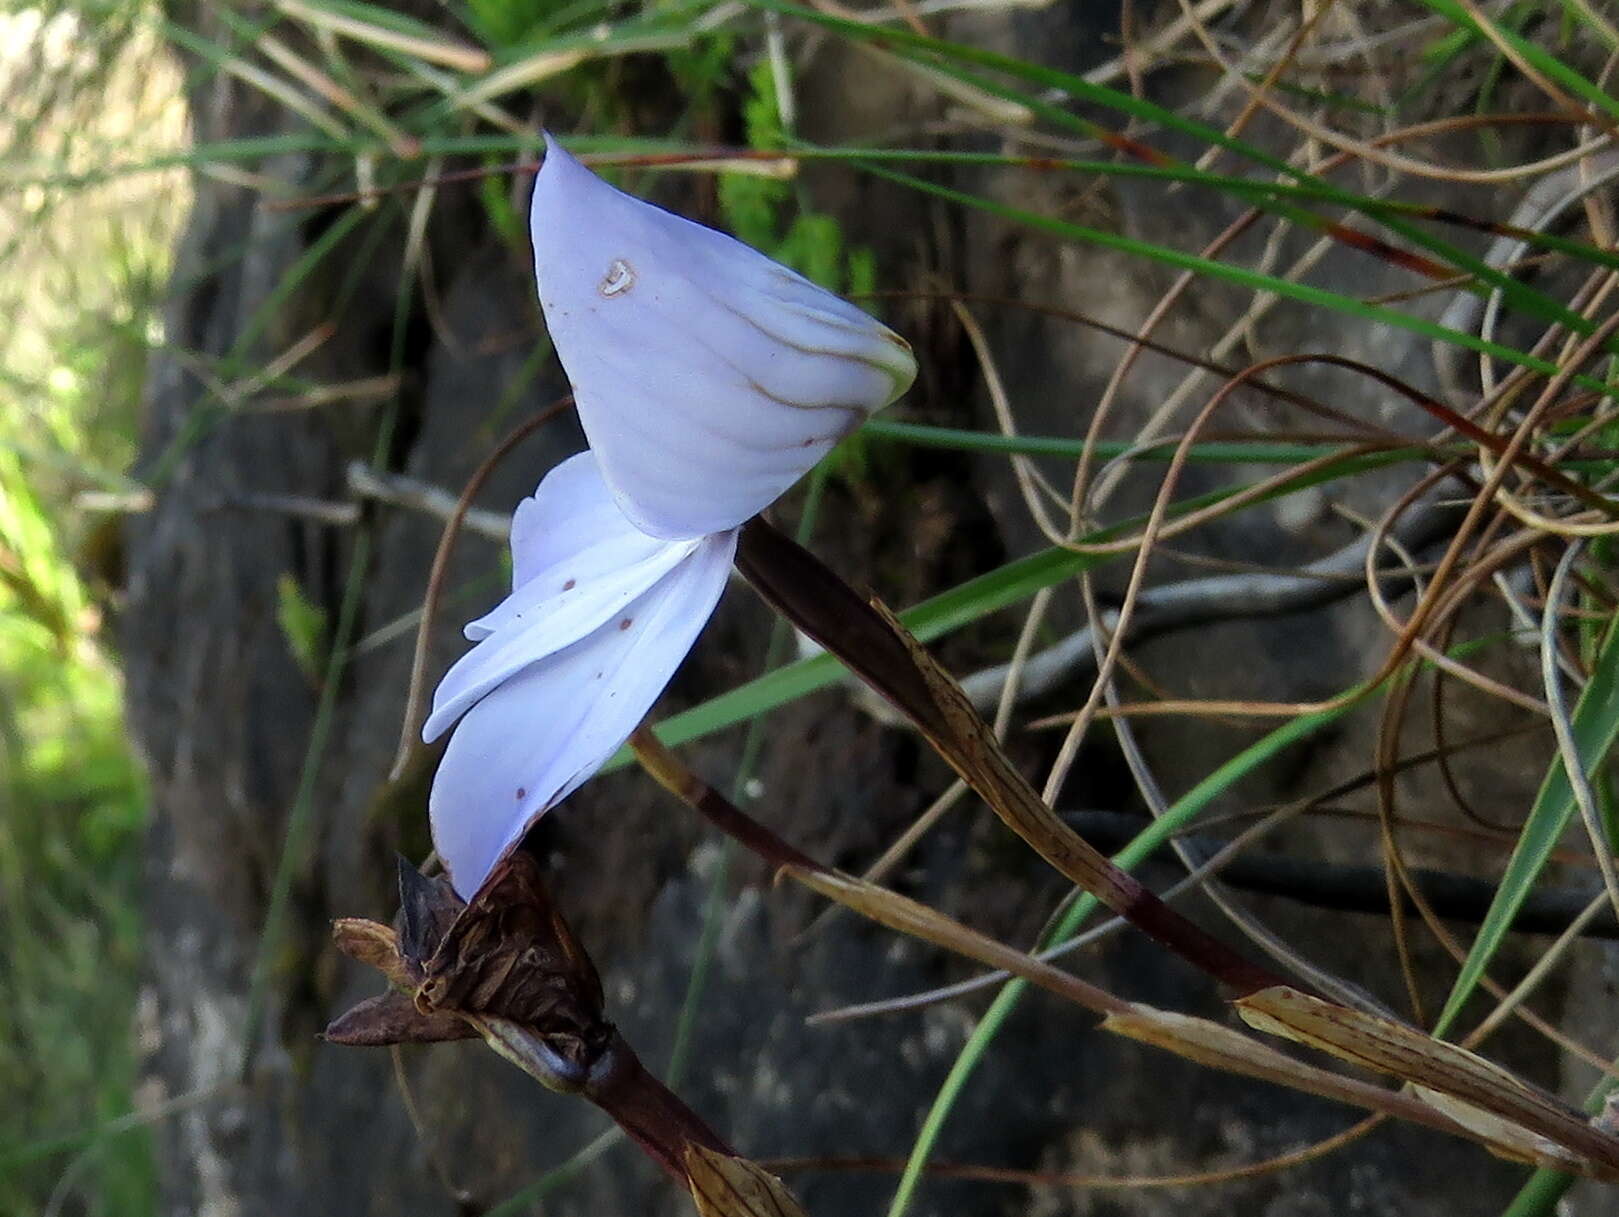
(565, 668)
(708, 378)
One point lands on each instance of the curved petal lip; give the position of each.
(536, 736)
(570, 519)
(576, 563)
(535, 630)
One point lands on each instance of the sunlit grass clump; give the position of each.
(83, 272)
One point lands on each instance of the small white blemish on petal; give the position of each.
(620, 278)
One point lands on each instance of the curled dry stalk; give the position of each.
(1409, 636)
(410, 719)
(1486, 543)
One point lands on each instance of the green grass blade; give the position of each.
(1596, 725)
(1215, 452)
(1545, 1187)
(1539, 1195)
(1256, 192)
(945, 56)
(894, 39)
(1233, 452)
(1153, 837)
(1536, 56)
(1241, 276)
(963, 604)
(933, 618)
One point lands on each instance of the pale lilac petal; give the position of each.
(708, 378)
(576, 563)
(536, 621)
(569, 532)
(536, 737)
(569, 518)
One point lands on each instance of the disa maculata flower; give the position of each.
(708, 379)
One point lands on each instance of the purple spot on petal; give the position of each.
(570, 585)
(626, 623)
(522, 792)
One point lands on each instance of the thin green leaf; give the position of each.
(1234, 452)
(943, 56)
(1253, 190)
(1177, 817)
(947, 612)
(1243, 277)
(1545, 1187)
(1596, 725)
(1537, 57)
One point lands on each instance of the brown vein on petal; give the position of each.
(858, 332)
(883, 333)
(795, 405)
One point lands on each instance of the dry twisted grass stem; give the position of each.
(1400, 878)
(1000, 1174)
(1069, 749)
(414, 696)
(1408, 635)
(1574, 766)
(1372, 152)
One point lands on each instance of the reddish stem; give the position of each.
(651, 1114)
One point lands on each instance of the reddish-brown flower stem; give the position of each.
(651, 1114)
(867, 639)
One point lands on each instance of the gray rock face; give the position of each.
(225, 717)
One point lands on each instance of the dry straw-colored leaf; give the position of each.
(925, 922)
(878, 647)
(1220, 1047)
(724, 1186)
(1518, 1118)
(373, 944)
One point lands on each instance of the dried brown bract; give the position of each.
(508, 968)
